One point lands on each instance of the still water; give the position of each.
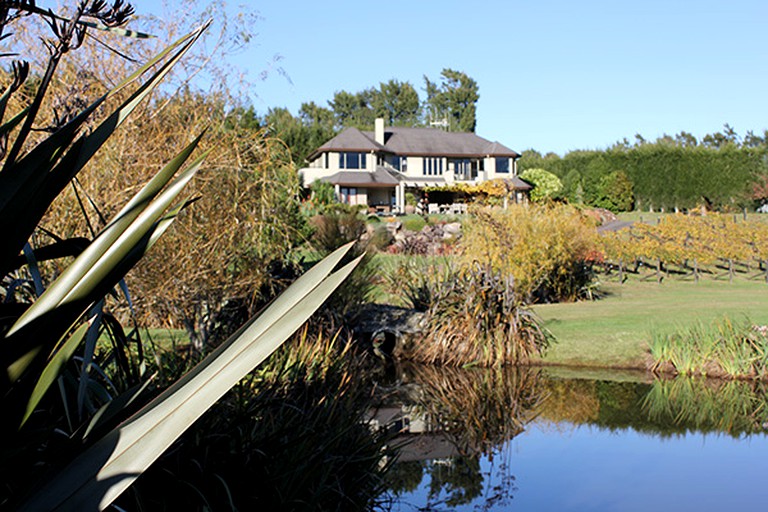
(551, 440)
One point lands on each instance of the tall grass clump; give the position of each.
(472, 315)
(546, 249)
(724, 348)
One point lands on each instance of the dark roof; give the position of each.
(379, 178)
(429, 141)
(417, 141)
(350, 139)
(519, 184)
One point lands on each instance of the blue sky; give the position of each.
(553, 75)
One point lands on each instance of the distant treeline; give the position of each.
(450, 102)
(722, 171)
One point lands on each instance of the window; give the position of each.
(348, 195)
(466, 169)
(502, 165)
(353, 160)
(400, 163)
(433, 166)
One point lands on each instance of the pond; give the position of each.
(546, 439)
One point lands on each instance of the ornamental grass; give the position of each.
(473, 315)
(724, 348)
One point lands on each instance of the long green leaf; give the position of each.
(29, 186)
(64, 353)
(89, 258)
(52, 370)
(130, 238)
(115, 407)
(68, 297)
(98, 476)
(12, 123)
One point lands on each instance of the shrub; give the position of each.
(545, 249)
(414, 222)
(545, 184)
(616, 192)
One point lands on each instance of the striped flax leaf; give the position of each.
(107, 238)
(100, 474)
(98, 268)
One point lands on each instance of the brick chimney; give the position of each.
(379, 130)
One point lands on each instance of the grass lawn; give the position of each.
(613, 332)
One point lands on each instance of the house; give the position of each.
(378, 168)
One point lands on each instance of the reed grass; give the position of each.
(724, 348)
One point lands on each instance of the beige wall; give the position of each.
(310, 174)
(490, 169)
(415, 168)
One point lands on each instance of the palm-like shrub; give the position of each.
(50, 331)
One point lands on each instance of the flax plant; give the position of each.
(292, 436)
(54, 456)
(473, 315)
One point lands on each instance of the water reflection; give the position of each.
(483, 439)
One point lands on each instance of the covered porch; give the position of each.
(379, 190)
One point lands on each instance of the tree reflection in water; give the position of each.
(448, 419)
(454, 424)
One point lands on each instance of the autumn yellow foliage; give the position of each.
(682, 238)
(545, 248)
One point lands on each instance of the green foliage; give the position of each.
(301, 134)
(322, 197)
(672, 172)
(455, 100)
(397, 103)
(573, 189)
(616, 192)
(545, 184)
